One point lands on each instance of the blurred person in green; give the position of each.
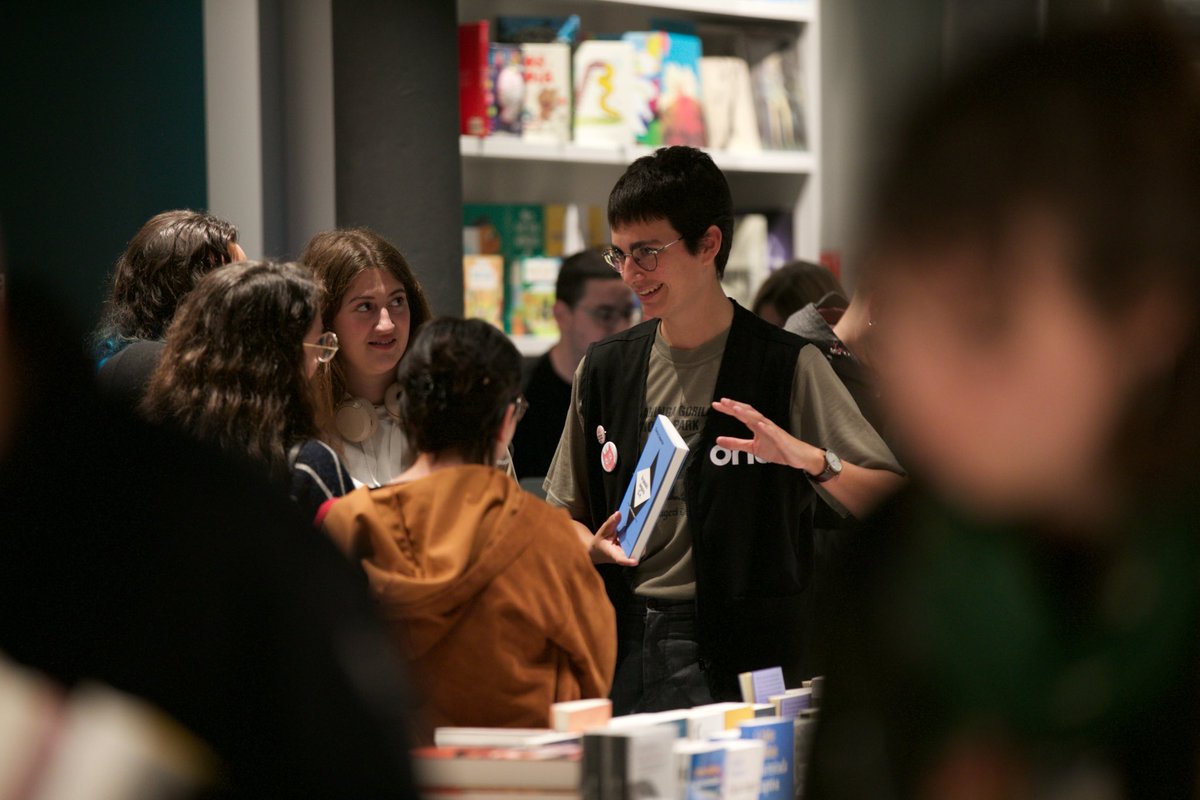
(1027, 624)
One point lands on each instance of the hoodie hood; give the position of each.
(431, 546)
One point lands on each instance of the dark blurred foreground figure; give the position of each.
(167, 572)
(1028, 626)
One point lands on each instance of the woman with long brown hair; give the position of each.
(374, 303)
(236, 370)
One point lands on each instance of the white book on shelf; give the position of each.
(604, 80)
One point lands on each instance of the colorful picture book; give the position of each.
(657, 467)
(483, 288)
(505, 89)
(604, 81)
(531, 296)
(546, 116)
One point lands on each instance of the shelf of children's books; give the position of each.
(774, 10)
(784, 162)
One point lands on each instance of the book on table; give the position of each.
(554, 766)
(760, 685)
(656, 470)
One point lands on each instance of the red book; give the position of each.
(473, 78)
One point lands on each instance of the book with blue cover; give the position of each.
(778, 736)
(656, 470)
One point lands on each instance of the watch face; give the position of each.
(834, 463)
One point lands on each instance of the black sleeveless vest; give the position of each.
(750, 522)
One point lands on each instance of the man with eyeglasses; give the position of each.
(591, 302)
(721, 586)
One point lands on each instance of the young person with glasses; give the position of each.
(591, 302)
(220, 379)
(720, 589)
(492, 600)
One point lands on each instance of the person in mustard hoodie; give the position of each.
(486, 589)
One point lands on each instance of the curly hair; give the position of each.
(457, 380)
(160, 265)
(233, 370)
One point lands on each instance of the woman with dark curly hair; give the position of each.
(374, 303)
(236, 369)
(492, 598)
(160, 265)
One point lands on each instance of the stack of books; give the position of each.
(732, 751)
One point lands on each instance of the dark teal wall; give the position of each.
(101, 127)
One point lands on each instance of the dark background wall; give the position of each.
(395, 89)
(102, 127)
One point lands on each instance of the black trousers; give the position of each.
(658, 658)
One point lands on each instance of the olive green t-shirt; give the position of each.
(680, 386)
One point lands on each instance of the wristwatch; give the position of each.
(833, 468)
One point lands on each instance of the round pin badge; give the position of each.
(608, 457)
(600, 435)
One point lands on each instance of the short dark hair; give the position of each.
(160, 265)
(681, 185)
(455, 382)
(795, 285)
(577, 270)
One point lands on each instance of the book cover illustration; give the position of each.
(506, 89)
(679, 108)
(483, 288)
(532, 293)
(604, 93)
(649, 50)
(656, 470)
(546, 116)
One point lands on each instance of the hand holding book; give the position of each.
(603, 545)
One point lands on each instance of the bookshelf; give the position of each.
(510, 170)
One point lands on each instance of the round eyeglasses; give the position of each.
(326, 345)
(645, 257)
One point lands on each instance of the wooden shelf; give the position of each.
(774, 162)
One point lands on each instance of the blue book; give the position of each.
(701, 769)
(656, 470)
(778, 735)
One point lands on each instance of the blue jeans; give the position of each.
(658, 666)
